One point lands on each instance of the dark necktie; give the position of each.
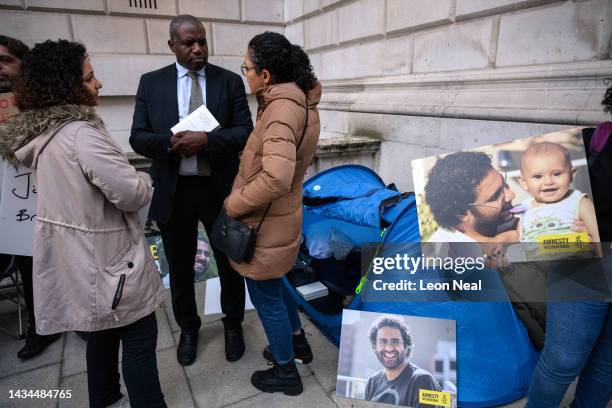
(195, 101)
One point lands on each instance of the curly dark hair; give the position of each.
(451, 184)
(607, 100)
(15, 47)
(52, 75)
(394, 323)
(285, 62)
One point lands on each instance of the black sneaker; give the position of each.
(35, 343)
(301, 349)
(279, 378)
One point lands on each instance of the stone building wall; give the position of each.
(127, 38)
(419, 77)
(426, 77)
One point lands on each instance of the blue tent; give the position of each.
(495, 358)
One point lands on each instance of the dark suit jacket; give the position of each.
(156, 111)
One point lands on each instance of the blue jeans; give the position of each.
(578, 342)
(278, 313)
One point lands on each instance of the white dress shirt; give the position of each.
(189, 165)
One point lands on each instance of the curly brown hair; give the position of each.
(52, 75)
(607, 101)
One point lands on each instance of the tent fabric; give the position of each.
(361, 210)
(354, 194)
(495, 359)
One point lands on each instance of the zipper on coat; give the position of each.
(117, 297)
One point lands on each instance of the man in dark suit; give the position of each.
(193, 172)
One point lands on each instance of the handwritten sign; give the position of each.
(17, 210)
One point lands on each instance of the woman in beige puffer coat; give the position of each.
(272, 169)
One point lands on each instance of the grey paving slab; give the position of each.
(216, 382)
(43, 378)
(313, 396)
(10, 364)
(77, 384)
(325, 362)
(200, 291)
(74, 355)
(173, 380)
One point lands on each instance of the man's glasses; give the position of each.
(392, 342)
(244, 69)
(496, 203)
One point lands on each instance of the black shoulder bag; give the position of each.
(236, 239)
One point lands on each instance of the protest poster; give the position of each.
(205, 266)
(420, 353)
(526, 194)
(17, 197)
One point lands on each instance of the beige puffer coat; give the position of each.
(270, 172)
(92, 266)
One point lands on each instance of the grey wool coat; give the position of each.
(92, 266)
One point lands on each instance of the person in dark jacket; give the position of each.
(193, 172)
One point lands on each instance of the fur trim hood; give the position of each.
(23, 128)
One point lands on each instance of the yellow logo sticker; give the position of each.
(435, 398)
(558, 243)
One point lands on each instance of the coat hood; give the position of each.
(29, 131)
(288, 90)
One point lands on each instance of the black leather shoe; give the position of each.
(187, 348)
(280, 378)
(301, 349)
(234, 344)
(36, 344)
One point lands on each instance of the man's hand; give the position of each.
(188, 142)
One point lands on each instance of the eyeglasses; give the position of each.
(393, 342)
(245, 69)
(496, 203)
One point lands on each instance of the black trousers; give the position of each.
(24, 263)
(139, 365)
(196, 199)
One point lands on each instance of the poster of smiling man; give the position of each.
(401, 360)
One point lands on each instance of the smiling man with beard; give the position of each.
(400, 380)
(469, 200)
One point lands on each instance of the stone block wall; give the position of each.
(419, 77)
(127, 38)
(437, 76)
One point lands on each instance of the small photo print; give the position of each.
(401, 360)
(533, 194)
(204, 267)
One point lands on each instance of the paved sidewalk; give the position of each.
(210, 382)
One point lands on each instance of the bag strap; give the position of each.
(297, 149)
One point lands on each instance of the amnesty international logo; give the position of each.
(558, 243)
(435, 398)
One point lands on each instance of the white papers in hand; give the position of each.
(200, 120)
